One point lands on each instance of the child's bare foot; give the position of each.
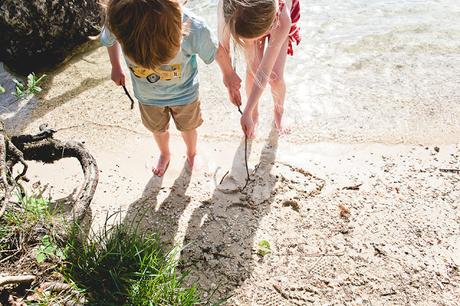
(282, 130)
(162, 165)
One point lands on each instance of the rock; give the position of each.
(38, 34)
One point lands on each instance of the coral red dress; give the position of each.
(294, 33)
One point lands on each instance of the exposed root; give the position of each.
(16, 279)
(43, 147)
(4, 180)
(55, 286)
(49, 150)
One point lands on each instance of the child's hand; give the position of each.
(118, 76)
(235, 96)
(233, 83)
(247, 125)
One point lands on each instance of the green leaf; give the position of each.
(19, 84)
(2, 89)
(40, 257)
(46, 240)
(60, 254)
(18, 93)
(264, 244)
(36, 89)
(264, 248)
(31, 80)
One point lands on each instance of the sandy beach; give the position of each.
(359, 204)
(357, 222)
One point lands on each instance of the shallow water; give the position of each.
(372, 71)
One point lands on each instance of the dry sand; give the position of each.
(348, 221)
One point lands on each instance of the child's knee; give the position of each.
(276, 81)
(161, 132)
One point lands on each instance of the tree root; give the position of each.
(49, 150)
(4, 180)
(55, 286)
(16, 279)
(43, 147)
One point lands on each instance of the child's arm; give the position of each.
(223, 58)
(278, 37)
(231, 80)
(118, 75)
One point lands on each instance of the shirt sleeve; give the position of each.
(204, 43)
(107, 38)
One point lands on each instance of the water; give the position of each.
(372, 71)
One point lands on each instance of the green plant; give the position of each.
(30, 211)
(48, 249)
(22, 90)
(122, 267)
(23, 224)
(2, 89)
(36, 205)
(264, 248)
(27, 228)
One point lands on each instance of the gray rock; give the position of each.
(38, 34)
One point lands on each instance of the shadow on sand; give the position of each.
(148, 215)
(220, 235)
(26, 110)
(217, 235)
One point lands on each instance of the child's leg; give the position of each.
(190, 139)
(254, 52)
(156, 120)
(188, 119)
(278, 86)
(162, 140)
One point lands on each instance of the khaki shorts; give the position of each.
(186, 117)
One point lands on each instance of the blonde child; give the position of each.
(266, 29)
(160, 40)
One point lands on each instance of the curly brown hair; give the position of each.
(149, 31)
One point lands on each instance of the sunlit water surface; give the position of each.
(369, 70)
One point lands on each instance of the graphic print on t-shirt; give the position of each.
(164, 73)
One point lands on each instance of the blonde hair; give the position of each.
(149, 31)
(248, 18)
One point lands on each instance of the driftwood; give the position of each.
(43, 147)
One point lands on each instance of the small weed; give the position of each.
(264, 248)
(23, 225)
(48, 249)
(2, 89)
(36, 206)
(23, 90)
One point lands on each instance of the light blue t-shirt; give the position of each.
(177, 82)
